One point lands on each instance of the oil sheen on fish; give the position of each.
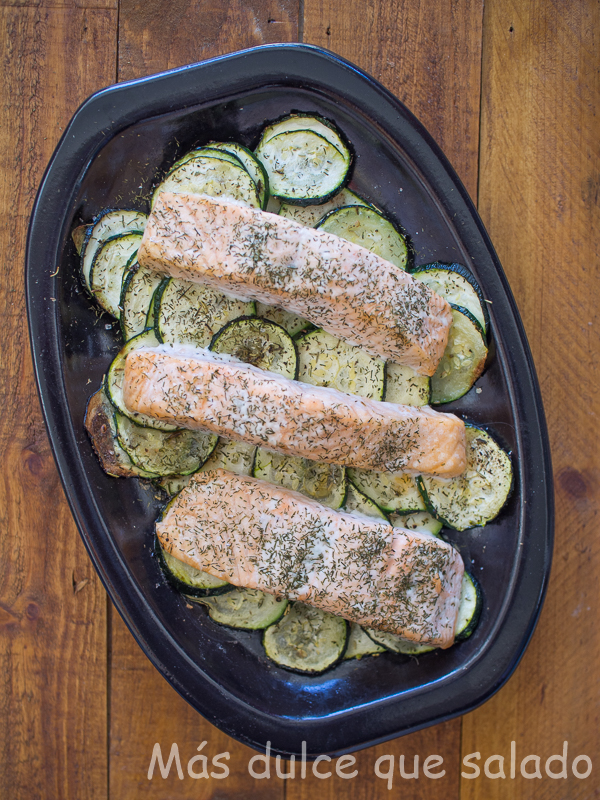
(260, 536)
(342, 287)
(197, 389)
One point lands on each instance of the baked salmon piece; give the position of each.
(339, 286)
(197, 389)
(260, 536)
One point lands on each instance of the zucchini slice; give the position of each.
(325, 483)
(303, 166)
(306, 122)
(107, 224)
(113, 383)
(252, 166)
(113, 260)
(421, 521)
(392, 491)
(477, 496)
(309, 216)
(404, 387)
(102, 429)
(214, 174)
(367, 227)
(236, 457)
(78, 235)
(463, 360)
(138, 290)
(150, 315)
(164, 454)
(457, 284)
(360, 644)
(395, 644)
(189, 580)
(259, 342)
(469, 610)
(189, 313)
(358, 503)
(324, 360)
(173, 484)
(289, 321)
(306, 639)
(249, 609)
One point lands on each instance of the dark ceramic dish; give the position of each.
(109, 156)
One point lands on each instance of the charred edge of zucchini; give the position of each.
(260, 322)
(465, 273)
(178, 585)
(101, 428)
(472, 619)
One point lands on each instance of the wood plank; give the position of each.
(155, 36)
(145, 710)
(52, 606)
(427, 54)
(440, 740)
(539, 197)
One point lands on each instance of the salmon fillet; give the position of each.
(260, 536)
(339, 286)
(197, 389)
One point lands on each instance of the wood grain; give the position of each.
(145, 710)
(427, 54)
(154, 35)
(52, 606)
(441, 740)
(540, 199)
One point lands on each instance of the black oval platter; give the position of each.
(109, 156)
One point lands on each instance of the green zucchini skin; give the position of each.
(310, 216)
(338, 139)
(465, 273)
(352, 219)
(108, 290)
(325, 483)
(177, 318)
(181, 586)
(201, 171)
(259, 342)
(246, 613)
(357, 502)
(449, 516)
(283, 655)
(395, 644)
(472, 619)
(454, 384)
(360, 644)
(136, 227)
(251, 164)
(323, 358)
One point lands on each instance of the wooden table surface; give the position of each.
(510, 90)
